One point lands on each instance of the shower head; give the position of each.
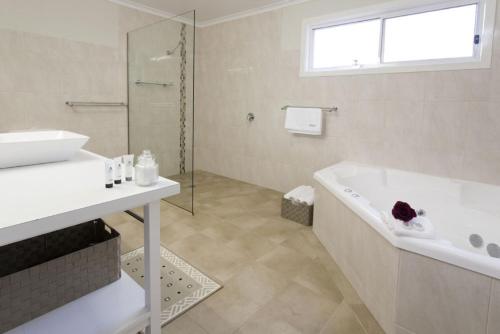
(168, 54)
(172, 51)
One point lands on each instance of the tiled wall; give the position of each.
(444, 123)
(40, 71)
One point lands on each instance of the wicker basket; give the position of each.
(40, 274)
(298, 212)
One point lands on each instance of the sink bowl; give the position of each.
(38, 147)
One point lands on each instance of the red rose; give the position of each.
(403, 211)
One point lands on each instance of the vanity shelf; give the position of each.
(39, 199)
(116, 308)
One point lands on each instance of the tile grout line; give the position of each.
(490, 304)
(396, 304)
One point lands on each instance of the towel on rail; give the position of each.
(308, 121)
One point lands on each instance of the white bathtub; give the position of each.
(413, 285)
(456, 208)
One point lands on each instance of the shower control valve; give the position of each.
(250, 117)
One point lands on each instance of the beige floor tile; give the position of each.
(221, 211)
(285, 260)
(132, 235)
(343, 321)
(245, 293)
(252, 245)
(183, 325)
(350, 295)
(328, 263)
(173, 232)
(170, 213)
(246, 221)
(210, 256)
(306, 243)
(277, 276)
(276, 230)
(298, 307)
(223, 232)
(209, 320)
(272, 326)
(201, 221)
(231, 306)
(401, 330)
(366, 318)
(224, 263)
(194, 249)
(315, 277)
(194, 246)
(140, 210)
(271, 208)
(119, 218)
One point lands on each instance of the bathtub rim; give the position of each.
(435, 249)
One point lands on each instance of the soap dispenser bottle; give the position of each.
(146, 169)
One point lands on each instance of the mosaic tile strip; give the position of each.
(182, 104)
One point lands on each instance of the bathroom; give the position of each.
(406, 95)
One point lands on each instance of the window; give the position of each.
(440, 36)
(347, 44)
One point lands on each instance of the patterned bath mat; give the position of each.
(182, 285)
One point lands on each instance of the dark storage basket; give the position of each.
(40, 274)
(298, 212)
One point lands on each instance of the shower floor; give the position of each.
(184, 199)
(277, 276)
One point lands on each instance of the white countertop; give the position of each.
(43, 198)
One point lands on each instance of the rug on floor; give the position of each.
(182, 285)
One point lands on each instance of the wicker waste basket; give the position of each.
(301, 213)
(40, 274)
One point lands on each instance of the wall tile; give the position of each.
(493, 318)
(482, 165)
(39, 73)
(435, 297)
(367, 259)
(424, 122)
(405, 86)
(444, 124)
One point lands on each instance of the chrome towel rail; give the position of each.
(95, 104)
(165, 84)
(323, 109)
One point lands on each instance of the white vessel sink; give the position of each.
(38, 147)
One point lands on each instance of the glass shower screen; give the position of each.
(161, 98)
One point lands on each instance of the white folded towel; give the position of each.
(302, 194)
(307, 121)
(419, 227)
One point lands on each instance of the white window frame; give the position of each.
(485, 26)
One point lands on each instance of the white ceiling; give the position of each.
(208, 11)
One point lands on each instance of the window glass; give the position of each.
(344, 45)
(441, 34)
